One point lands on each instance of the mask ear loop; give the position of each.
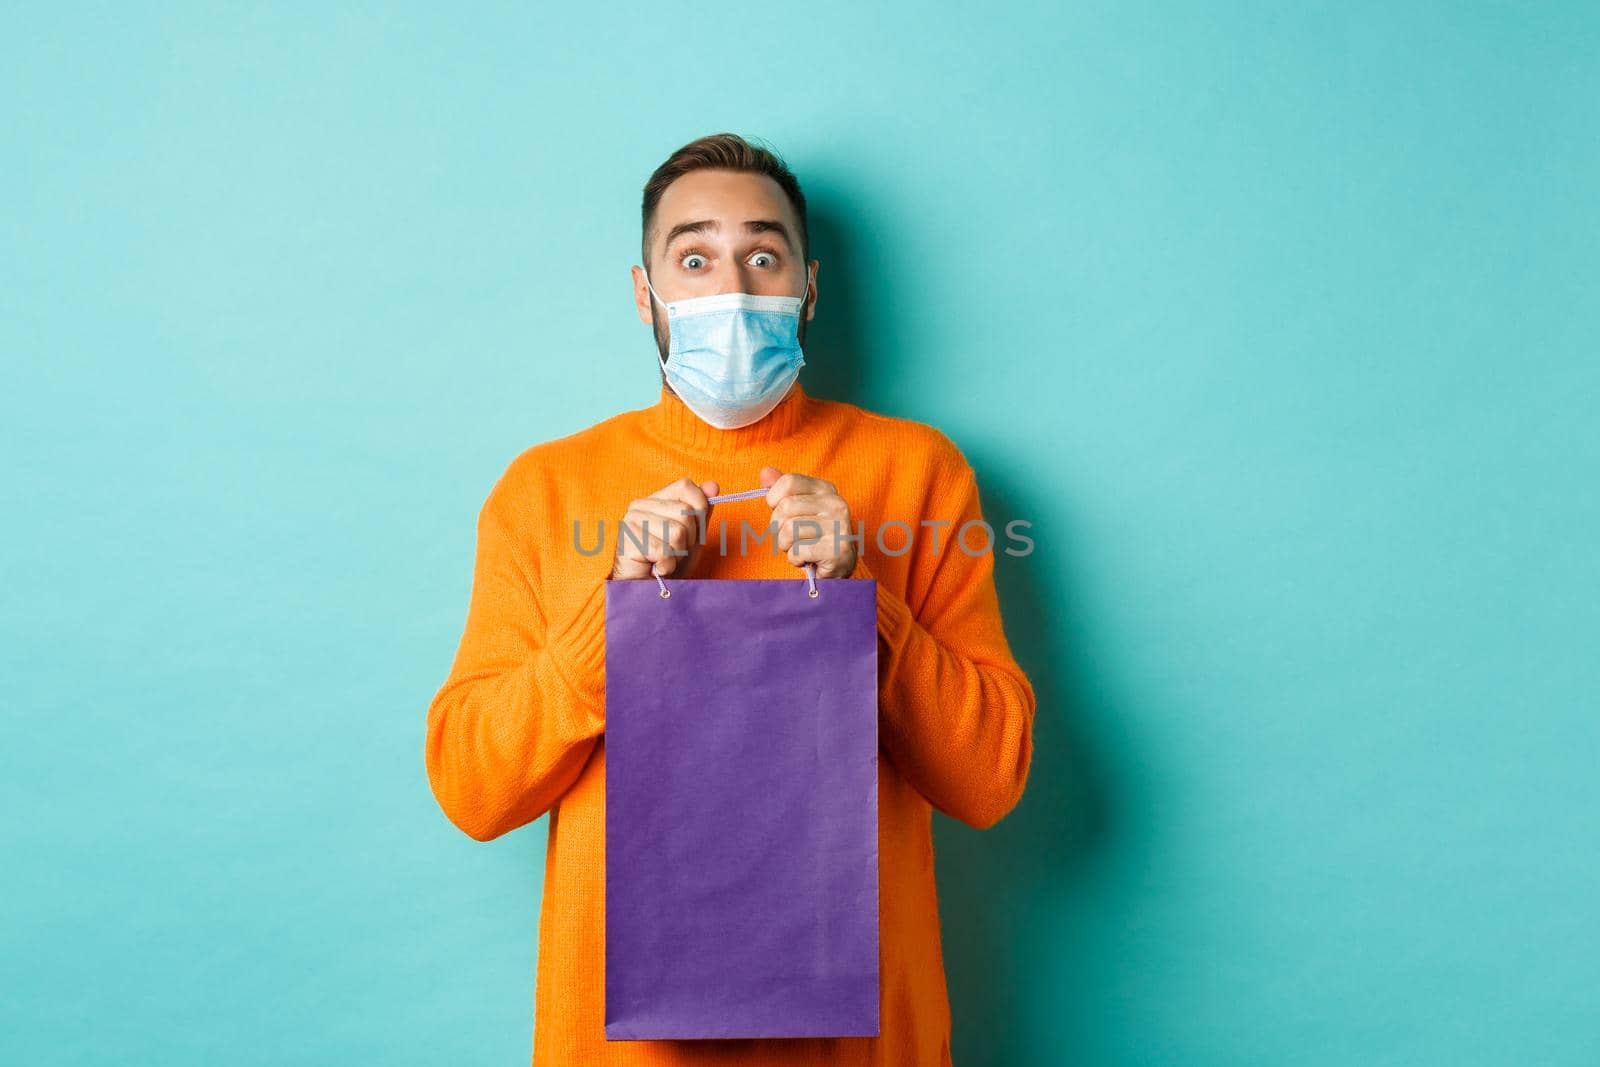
(652, 288)
(662, 359)
(747, 494)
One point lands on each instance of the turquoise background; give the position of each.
(1280, 326)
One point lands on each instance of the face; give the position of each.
(720, 231)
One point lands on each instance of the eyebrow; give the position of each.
(712, 226)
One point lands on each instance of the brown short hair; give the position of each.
(722, 151)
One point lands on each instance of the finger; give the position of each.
(709, 488)
(824, 508)
(790, 527)
(831, 566)
(689, 501)
(658, 534)
(676, 512)
(625, 569)
(803, 530)
(792, 484)
(810, 504)
(789, 515)
(800, 554)
(780, 487)
(670, 542)
(685, 491)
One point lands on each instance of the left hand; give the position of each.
(798, 501)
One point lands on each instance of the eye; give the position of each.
(692, 261)
(771, 260)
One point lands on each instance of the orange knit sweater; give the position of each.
(518, 727)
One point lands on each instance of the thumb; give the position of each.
(769, 475)
(702, 520)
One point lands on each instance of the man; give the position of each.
(518, 728)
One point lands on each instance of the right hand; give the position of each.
(674, 535)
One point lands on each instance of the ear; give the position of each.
(641, 295)
(811, 307)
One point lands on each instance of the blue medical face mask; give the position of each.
(733, 356)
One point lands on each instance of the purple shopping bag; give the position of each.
(741, 808)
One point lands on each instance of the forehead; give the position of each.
(727, 196)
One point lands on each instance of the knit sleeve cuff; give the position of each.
(894, 614)
(578, 643)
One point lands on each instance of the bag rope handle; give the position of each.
(747, 494)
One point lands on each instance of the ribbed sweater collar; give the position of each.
(671, 421)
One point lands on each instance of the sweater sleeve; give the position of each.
(955, 710)
(524, 702)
